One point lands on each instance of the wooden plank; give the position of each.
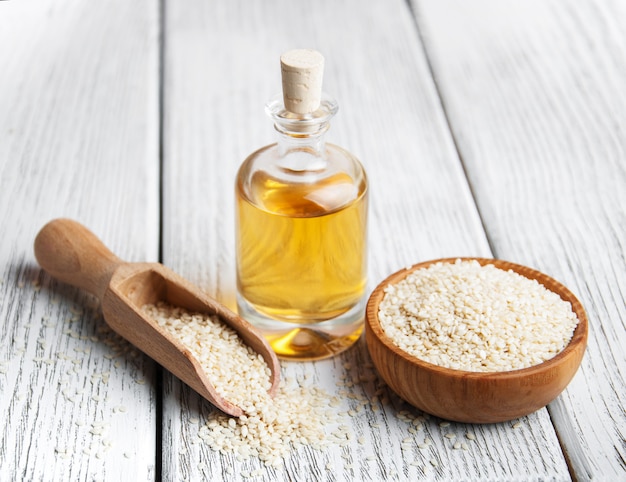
(78, 138)
(534, 93)
(220, 68)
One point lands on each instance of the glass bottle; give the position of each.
(301, 225)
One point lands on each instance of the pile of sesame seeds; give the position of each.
(476, 318)
(237, 372)
(297, 416)
(270, 428)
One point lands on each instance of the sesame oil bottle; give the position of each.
(301, 225)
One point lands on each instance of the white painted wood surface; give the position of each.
(535, 97)
(492, 127)
(78, 138)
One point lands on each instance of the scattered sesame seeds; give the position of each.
(270, 428)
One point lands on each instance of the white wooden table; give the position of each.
(488, 128)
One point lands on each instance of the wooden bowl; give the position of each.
(474, 397)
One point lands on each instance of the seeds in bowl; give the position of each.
(475, 318)
(270, 427)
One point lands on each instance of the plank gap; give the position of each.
(158, 463)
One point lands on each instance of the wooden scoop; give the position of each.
(73, 254)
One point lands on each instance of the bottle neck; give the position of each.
(310, 141)
(301, 138)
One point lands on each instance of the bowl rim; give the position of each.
(578, 340)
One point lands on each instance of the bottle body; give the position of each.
(301, 245)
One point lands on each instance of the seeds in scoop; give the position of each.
(476, 318)
(236, 371)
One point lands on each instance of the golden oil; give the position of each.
(298, 259)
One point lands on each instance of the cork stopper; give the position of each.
(302, 72)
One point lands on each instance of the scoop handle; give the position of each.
(71, 253)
